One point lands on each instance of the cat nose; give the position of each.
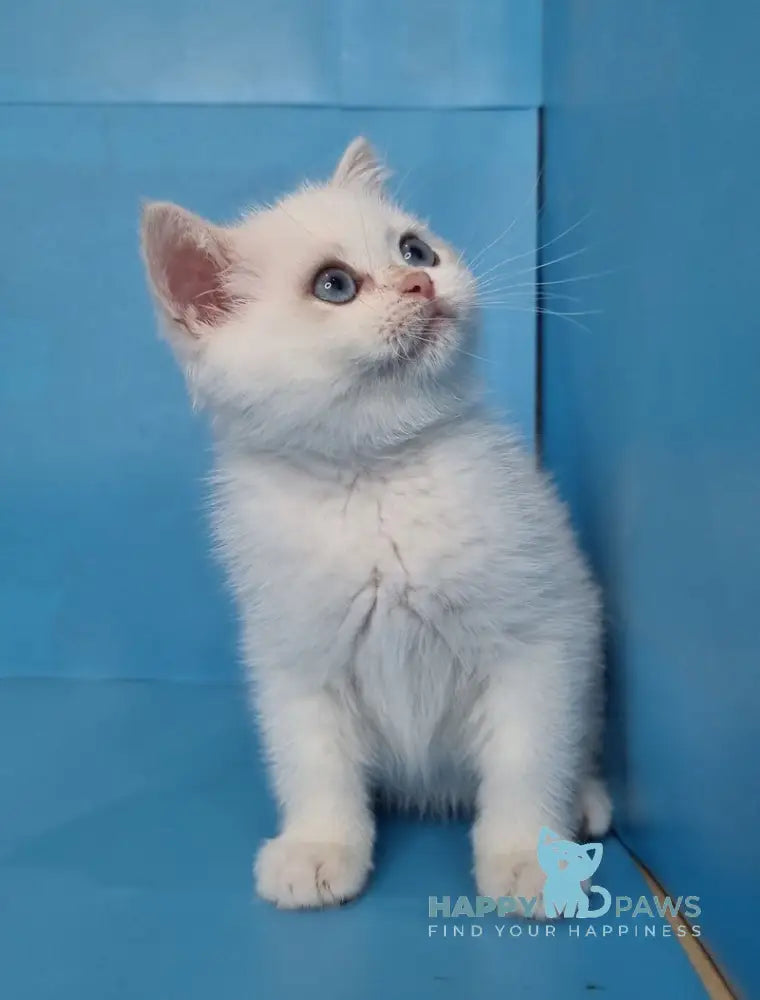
(417, 283)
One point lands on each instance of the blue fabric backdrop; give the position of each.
(102, 511)
(131, 810)
(651, 419)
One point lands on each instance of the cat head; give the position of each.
(332, 321)
(578, 861)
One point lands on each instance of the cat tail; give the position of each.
(606, 901)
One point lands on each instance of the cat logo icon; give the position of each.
(567, 865)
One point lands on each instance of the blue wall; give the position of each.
(649, 407)
(347, 53)
(651, 418)
(102, 507)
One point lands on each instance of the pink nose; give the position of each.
(417, 283)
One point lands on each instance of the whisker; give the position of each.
(583, 277)
(297, 221)
(493, 243)
(543, 246)
(530, 293)
(551, 312)
(548, 263)
(399, 186)
(476, 357)
(512, 224)
(364, 302)
(570, 317)
(563, 281)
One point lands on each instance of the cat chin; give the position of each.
(424, 353)
(420, 360)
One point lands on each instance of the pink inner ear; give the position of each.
(194, 282)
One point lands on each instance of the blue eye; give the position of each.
(335, 285)
(416, 252)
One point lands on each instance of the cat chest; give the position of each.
(376, 566)
(386, 544)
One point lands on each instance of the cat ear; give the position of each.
(187, 260)
(361, 167)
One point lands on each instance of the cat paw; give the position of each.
(294, 874)
(512, 873)
(596, 807)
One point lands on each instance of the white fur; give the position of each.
(416, 615)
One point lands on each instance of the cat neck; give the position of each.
(367, 426)
(364, 458)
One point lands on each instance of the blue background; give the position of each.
(347, 53)
(104, 499)
(651, 426)
(133, 797)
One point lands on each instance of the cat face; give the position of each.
(332, 319)
(577, 861)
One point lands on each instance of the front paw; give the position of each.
(512, 873)
(295, 874)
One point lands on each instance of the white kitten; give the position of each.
(416, 615)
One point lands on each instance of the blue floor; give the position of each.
(125, 873)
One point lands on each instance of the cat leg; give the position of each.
(323, 853)
(594, 803)
(595, 807)
(532, 721)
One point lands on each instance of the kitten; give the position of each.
(416, 616)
